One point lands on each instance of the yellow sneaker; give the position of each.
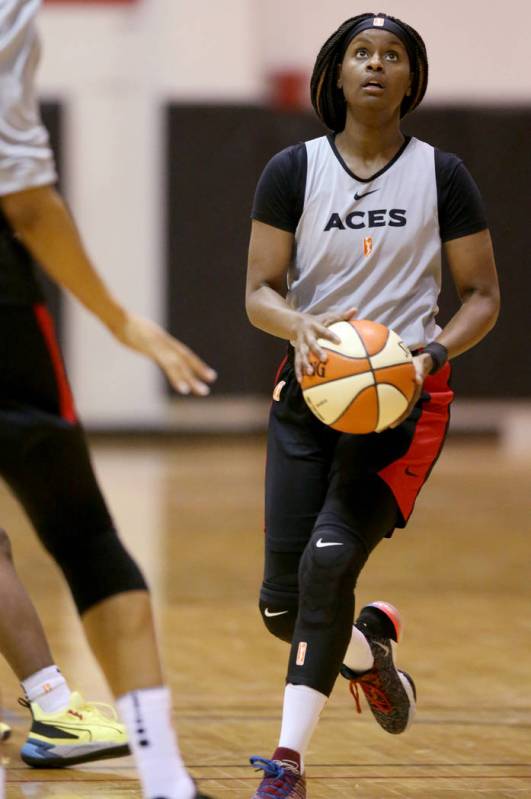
(5, 731)
(83, 732)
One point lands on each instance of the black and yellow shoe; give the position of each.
(85, 731)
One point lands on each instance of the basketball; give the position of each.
(367, 381)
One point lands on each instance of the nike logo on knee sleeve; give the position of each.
(320, 544)
(270, 613)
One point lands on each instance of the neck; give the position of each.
(369, 137)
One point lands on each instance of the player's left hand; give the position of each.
(186, 372)
(422, 363)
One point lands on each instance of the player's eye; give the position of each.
(361, 52)
(392, 55)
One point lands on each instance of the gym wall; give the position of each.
(157, 60)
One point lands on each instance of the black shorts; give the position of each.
(306, 458)
(43, 452)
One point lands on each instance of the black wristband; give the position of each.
(439, 355)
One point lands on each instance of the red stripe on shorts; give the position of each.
(46, 325)
(406, 476)
(280, 368)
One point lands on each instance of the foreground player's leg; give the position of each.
(121, 633)
(108, 589)
(57, 737)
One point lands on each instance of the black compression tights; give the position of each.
(319, 595)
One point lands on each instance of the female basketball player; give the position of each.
(356, 219)
(43, 452)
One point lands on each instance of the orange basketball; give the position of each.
(367, 381)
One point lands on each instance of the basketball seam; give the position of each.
(344, 355)
(352, 401)
(372, 370)
(334, 380)
(388, 366)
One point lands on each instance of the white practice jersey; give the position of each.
(374, 244)
(26, 160)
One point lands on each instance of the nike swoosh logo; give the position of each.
(270, 613)
(410, 473)
(366, 194)
(320, 544)
(382, 646)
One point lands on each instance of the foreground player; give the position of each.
(43, 452)
(357, 219)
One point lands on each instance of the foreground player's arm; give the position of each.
(43, 223)
(270, 253)
(471, 262)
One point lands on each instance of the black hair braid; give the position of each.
(328, 100)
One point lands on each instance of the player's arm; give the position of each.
(43, 223)
(473, 269)
(270, 253)
(471, 262)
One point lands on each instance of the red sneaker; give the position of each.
(389, 691)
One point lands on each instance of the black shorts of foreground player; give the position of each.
(355, 223)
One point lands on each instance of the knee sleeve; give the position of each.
(279, 610)
(95, 564)
(328, 573)
(279, 595)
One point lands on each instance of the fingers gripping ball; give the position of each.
(367, 381)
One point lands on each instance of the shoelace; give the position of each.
(375, 695)
(283, 774)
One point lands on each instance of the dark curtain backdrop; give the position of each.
(214, 158)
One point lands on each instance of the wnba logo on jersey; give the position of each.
(367, 245)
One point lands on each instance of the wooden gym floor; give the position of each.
(191, 511)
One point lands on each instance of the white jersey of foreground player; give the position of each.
(26, 160)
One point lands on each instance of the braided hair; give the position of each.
(328, 99)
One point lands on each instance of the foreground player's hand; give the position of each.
(186, 372)
(422, 364)
(308, 330)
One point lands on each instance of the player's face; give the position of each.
(375, 72)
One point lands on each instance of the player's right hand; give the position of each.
(307, 331)
(186, 372)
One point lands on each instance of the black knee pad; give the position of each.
(328, 572)
(96, 565)
(279, 609)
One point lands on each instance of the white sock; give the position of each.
(358, 656)
(48, 688)
(153, 742)
(302, 708)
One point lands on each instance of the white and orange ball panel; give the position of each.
(367, 381)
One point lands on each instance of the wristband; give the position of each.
(439, 355)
